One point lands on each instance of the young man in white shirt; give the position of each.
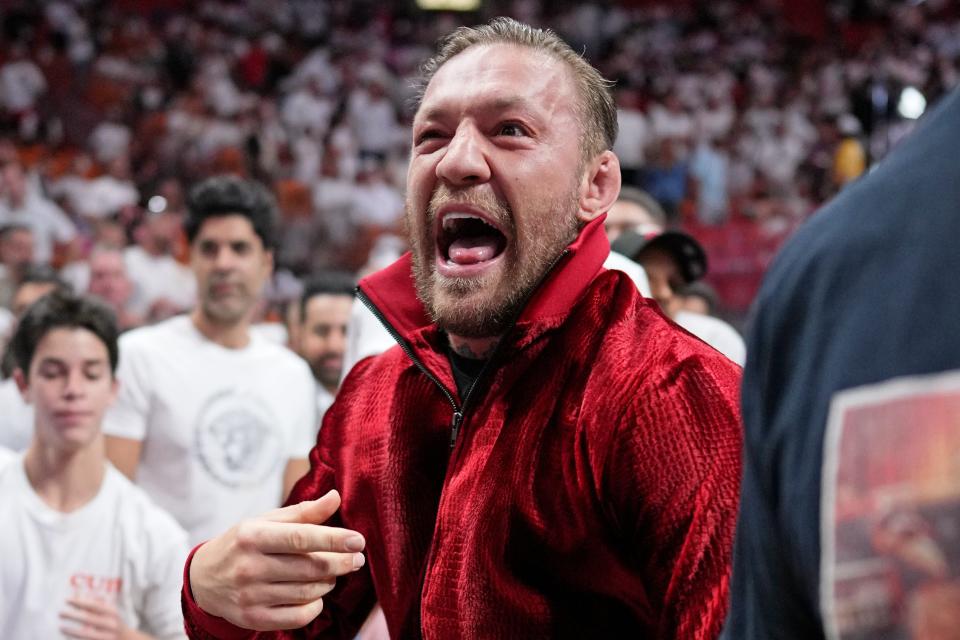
(86, 554)
(215, 422)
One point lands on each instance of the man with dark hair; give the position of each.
(214, 421)
(226, 195)
(321, 337)
(86, 554)
(543, 454)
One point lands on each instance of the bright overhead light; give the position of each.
(912, 104)
(449, 5)
(156, 204)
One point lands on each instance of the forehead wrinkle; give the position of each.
(472, 81)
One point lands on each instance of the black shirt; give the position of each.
(465, 370)
(864, 293)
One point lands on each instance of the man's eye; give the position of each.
(512, 129)
(428, 135)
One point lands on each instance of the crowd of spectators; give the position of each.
(739, 117)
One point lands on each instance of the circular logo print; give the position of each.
(235, 440)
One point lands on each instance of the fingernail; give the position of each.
(358, 560)
(354, 543)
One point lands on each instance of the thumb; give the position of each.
(309, 511)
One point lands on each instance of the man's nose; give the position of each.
(74, 386)
(224, 259)
(338, 341)
(465, 161)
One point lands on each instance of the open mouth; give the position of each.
(467, 239)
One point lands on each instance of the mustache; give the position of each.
(215, 282)
(499, 211)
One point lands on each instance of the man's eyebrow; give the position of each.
(58, 361)
(494, 104)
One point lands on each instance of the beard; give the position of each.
(484, 306)
(227, 310)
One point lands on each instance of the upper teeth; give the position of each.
(448, 220)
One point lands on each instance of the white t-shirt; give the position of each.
(21, 83)
(16, 417)
(119, 546)
(104, 196)
(632, 138)
(158, 277)
(376, 203)
(373, 120)
(621, 262)
(218, 425)
(324, 401)
(716, 333)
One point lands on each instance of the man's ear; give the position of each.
(22, 383)
(269, 264)
(600, 186)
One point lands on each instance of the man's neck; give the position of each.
(475, 348)
(66, 481)
(232, 336)
(331, 389)
(154, 249)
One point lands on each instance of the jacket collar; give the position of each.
(393, 293)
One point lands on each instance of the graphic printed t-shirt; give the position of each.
(218, 425)
(119, 547)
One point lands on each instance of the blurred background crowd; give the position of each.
(737, 120)
(740, 118)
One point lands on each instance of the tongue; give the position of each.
(472, 250)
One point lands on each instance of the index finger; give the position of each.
(292, 537)
(312, 511)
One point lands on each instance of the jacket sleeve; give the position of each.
(344, 609)
(673, 478)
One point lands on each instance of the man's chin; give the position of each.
(224, 314)
(480, 313)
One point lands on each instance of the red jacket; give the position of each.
(591, 490)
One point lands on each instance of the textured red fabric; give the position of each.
(592, 490)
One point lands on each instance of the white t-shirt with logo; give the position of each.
(218, 425)
(119, 547)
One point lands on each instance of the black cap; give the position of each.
(689, 254)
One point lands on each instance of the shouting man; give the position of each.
(544, 454)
